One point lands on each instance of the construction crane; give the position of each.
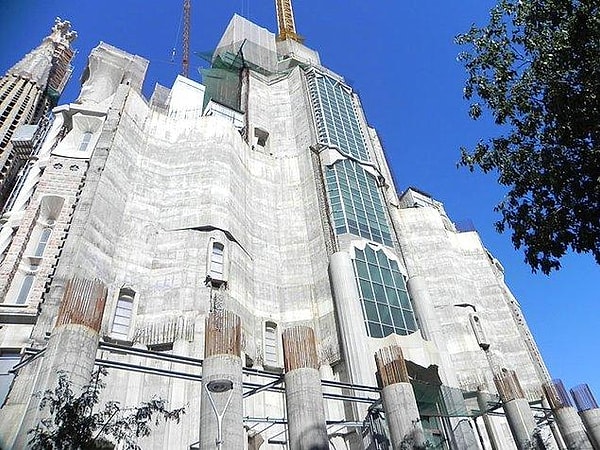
(285, 21)
(185, 60)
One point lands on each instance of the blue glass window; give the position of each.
(356, 209)
(356, 203)
(385, 303)
(337, 118)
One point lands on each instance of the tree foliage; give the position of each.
(536, 67)
(76, 424)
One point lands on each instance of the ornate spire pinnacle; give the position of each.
(62, 32)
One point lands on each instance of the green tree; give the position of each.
(536, 67)
(76, 424)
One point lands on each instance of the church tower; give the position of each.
(27, 92)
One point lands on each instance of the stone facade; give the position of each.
(267, 195)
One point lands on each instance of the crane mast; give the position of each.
(285, 21)
(185, 60)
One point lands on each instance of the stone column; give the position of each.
(518, 412)
(307, 428)
(588, 411)
(591, 420)
(569, 423)
(350, 319)
(222, 381)
(71, 348)
(482, 403)
(399, 404)
(354, 339)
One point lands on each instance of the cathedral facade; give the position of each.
(240, 245)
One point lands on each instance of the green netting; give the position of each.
(223, 86)
(443, 401)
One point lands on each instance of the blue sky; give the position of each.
(401, 58)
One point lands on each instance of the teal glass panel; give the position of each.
(386, 306)
(384, 314)
(371, 311)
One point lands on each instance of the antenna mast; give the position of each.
(285, 21)
(185, 61)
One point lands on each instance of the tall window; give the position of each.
(356, 203)
(338, 121)
(217, 261)
(26, 285)
(123, 314)
(8, 360)
(42, 242)
(357, 206)
(385, 303)
(271, 358)
(85, 141)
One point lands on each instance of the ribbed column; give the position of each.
(304, 398)
(399, 404)
(222, 365)
(570, 425)
(588, 411)
(518, 412)
(71, 347)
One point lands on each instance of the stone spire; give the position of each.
(30, 89)
(37, 65)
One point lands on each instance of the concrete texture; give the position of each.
(219, 367)
(71, 351)
(305, 413)
(161, 182)
(521, 422)
(402, 416)
(571, 428)
(591, 421)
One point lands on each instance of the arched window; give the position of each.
(270, 344)
(26, 285)
(85, 141)
(217, 261)
(42, 242)
(123, 314)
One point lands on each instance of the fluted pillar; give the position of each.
(71, 348)
(222, 382)
(569, 424)
(588, 411)
(518, 412)
(399, 403)
(303, 394)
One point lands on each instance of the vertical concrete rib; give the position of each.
(399, 401)
(72, 346)
(222, 364)
(518, 412)
(588, 411)
(304, 398)
(431, 330)
(350, 319)
(569, 423)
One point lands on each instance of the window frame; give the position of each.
(42, 243)
(126, 296)
(271, 336)
(86, 138)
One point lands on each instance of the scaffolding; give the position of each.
(436, 403)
